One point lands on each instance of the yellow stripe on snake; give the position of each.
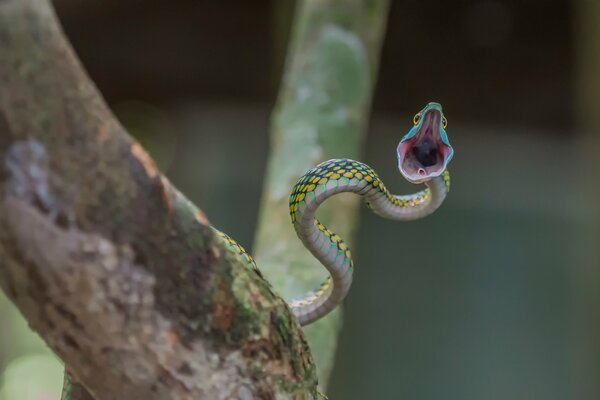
(423, 155)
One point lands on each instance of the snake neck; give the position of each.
(326, 180)
(413, 206)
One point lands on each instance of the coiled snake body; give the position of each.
(423, 155)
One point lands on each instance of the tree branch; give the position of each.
(322, 113)
(119, 273)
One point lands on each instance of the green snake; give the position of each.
(423, 156)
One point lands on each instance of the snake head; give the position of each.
(425, 151)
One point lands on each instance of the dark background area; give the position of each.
(492, 61)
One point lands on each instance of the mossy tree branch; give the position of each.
(322, 112)
(120, 275)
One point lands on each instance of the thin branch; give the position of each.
(122, 277)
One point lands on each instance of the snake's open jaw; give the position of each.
(425, 152)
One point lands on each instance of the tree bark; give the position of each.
(322, 112)
(121, 275)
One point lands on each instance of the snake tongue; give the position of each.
(424, 155)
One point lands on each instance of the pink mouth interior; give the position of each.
(424, 155)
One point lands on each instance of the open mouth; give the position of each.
(424, 154)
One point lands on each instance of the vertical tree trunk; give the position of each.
(322, 112)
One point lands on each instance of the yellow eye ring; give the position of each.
(416, 118)
(444, 122)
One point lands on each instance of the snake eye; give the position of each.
(416, 118)
(444, 122)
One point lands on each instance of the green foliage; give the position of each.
(30, 371)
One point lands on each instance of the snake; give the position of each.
(423, 156)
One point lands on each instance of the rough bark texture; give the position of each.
(586, 318)
(322, 113)
(118, 272)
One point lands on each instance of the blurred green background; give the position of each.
(493, 297)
